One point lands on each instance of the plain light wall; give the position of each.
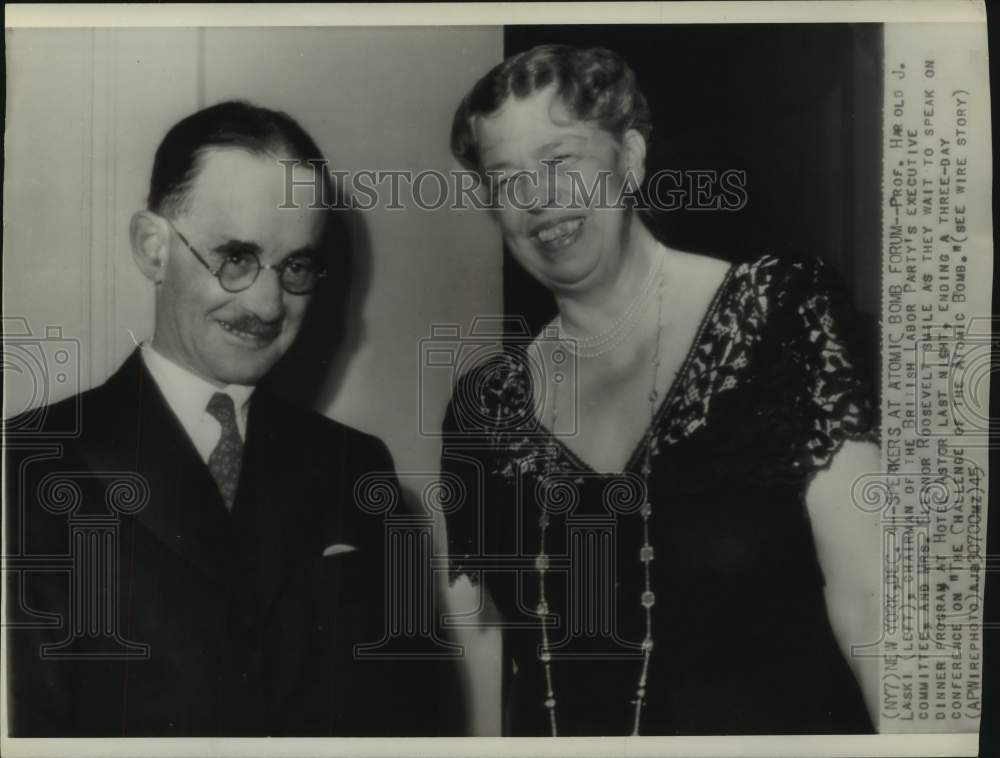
(85, 112)
(86, 109)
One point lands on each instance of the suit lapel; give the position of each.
(277, 515)
(185, 510)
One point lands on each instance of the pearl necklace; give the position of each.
(600, 344)
(647, 599)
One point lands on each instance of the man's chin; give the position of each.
(244, 369)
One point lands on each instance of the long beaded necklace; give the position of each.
(647, 599)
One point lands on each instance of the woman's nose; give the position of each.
(542, 191)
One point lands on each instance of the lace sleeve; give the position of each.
(829, 385)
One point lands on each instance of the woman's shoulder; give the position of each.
(767, 291)
(784, 279)
(759, 283)
(770, 307)
(815, 365)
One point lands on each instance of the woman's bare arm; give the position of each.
(849, 545)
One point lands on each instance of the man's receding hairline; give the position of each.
(179, 202)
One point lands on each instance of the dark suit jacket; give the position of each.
(250, 629)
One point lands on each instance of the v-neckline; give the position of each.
(584, 467)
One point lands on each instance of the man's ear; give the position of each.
(634, 155)
(150, 236)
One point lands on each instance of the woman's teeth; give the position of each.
(560, 233)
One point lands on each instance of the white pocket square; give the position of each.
(337, 549)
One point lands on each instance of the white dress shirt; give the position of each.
(188, 394)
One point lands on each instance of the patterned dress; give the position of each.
(766, 395)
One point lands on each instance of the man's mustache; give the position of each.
(255, 326)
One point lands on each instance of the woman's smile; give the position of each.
(558, 234)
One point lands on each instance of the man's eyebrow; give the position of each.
(238, 247)
(310, 252)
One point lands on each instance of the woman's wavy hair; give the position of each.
(595, 84)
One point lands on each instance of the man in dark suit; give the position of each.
(194, 556)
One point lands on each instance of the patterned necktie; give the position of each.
(227, 458)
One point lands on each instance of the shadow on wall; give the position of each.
(312, 372)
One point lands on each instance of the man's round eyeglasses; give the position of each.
(298, 274)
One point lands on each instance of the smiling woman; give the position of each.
(565, 136)
(649, 506)
(522, 140)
